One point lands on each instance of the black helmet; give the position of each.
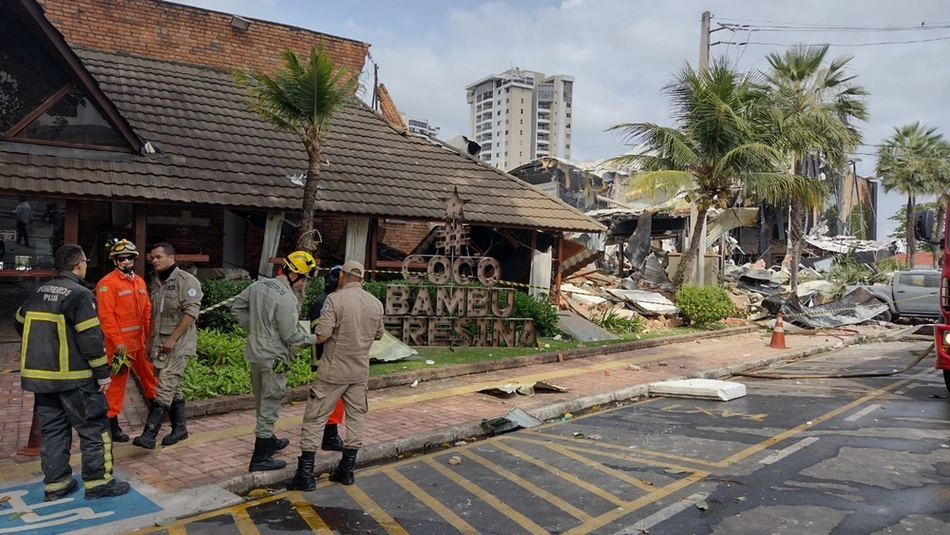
(332, 280)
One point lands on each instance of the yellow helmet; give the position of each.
(122, 248)
(302, 263)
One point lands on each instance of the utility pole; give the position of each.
(704, 41)
(699, 275)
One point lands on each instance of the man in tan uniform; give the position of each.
(350, 321)
(176, 299)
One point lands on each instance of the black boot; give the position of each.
(344, 471)
(116, 431)
(261, 459)
(176, 414)
(110, 489)
(152, 425)
(331, 439)
(278, 444)
(303, 479)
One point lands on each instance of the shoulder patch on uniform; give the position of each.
(103, 288)
(326, 306)
(192, 292)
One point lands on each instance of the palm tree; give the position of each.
(302, 98)
(914, 161)
(714, 152)
(816, 105)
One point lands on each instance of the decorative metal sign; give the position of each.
(460, 306)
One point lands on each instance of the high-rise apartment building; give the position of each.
(518, 116)
(419, 126)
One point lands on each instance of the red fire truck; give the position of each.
(924, 230)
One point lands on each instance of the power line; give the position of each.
(792, 26)
(877, 43)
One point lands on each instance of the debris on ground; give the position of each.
(699, 389)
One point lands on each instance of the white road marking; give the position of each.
(783, 453)
(863, 412)
(662, 515)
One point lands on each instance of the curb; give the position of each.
(208, 407)
(387, 451)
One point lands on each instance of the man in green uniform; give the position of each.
(63, 362)
(350, 321)
(267, 310)
(176, 299)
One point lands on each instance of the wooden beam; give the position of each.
(557, 274)
(140, 232)
(373, 244)
(71, 230)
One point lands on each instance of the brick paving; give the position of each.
(219, 446)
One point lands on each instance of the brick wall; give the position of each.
(387, 107)
(403, 235)
(157, 29)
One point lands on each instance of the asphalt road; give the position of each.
(803, 456)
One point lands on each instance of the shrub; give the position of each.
(540, 309)
(612, 321)
(218, 290)
(219, 368)
(702, 305)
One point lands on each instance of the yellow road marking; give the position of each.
(305, 509)
(432, 503)
(488, 498)
(568, 477)
(371, 508)
(566, 450)
(244, 523)
(529, 486)
(177, 530)
(634, 505)
(651, 453)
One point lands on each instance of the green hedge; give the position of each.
(540, 309)
(219, 369)
(702, 305)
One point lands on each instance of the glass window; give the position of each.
(73, 120)
(912, 279)
(29, 75)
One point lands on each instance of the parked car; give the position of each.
(913, 293)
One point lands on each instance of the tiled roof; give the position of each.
(213, 150)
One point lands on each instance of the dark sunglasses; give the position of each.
(125, 259)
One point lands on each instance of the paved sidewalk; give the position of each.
(210, 467)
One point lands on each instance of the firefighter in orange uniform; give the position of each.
(125, 312)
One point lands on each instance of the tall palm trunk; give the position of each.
(911, 225)
(306, 241)
(797, 214)
(796, 240)
(685, 269)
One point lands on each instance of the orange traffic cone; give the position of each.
(33, 443)
(778, 334)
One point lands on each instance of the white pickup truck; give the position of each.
(911, 293)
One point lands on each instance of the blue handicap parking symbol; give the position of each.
(23, 510)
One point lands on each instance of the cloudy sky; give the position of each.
(622, 52)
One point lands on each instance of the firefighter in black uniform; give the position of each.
(64, 364)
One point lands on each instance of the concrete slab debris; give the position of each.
(515, 419)
(699, 389)
(581, 329)
(524, 389)
(390, 349)
(650, 303)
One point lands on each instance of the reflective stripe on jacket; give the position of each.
(124, 310)
(62, 345)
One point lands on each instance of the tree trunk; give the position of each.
(911, 225)
(796, 240)
(306, 241)
(685, 269)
